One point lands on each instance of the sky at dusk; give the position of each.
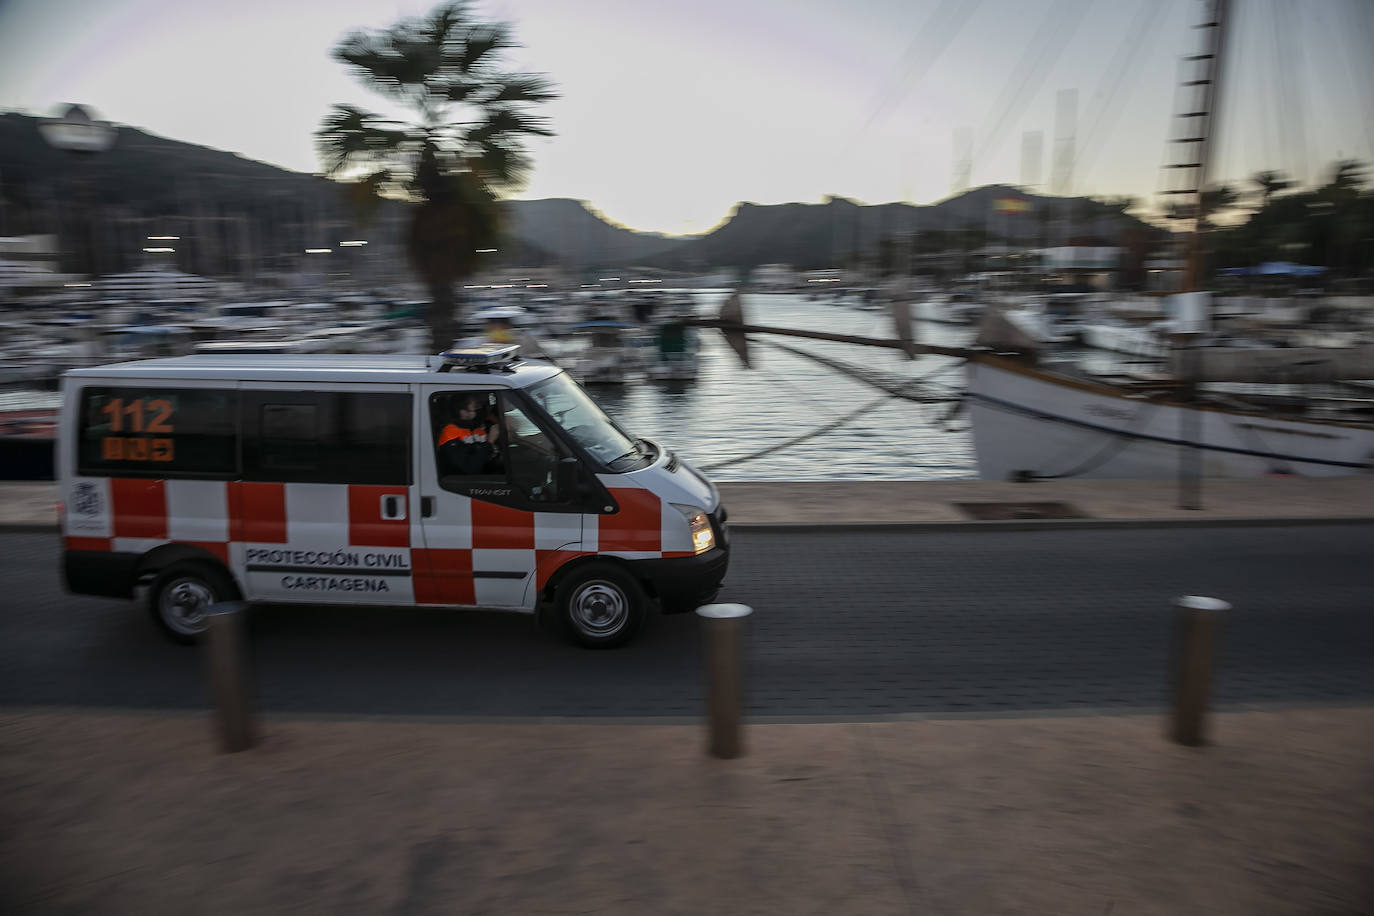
(672, 112)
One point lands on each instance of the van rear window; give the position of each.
(157, 432)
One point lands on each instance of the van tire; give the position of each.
(181, 593)
(600, 606)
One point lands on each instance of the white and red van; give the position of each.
(468, 479)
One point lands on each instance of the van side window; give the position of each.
(157, 432)
(327, 437)
(532, 456)
(467, 435)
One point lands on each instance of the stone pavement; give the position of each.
(111, 813)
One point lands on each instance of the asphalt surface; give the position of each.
(852, 624)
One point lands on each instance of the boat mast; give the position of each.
(1197, 122)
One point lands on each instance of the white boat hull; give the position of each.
(940, 311)
(1027, 421)
(1133, 341)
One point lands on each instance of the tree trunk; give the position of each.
(443, 329)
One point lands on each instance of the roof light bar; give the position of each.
(478, 356)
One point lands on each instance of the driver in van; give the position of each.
(470, 441)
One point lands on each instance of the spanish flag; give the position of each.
(1012, 205)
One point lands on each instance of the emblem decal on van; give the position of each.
(85, 499)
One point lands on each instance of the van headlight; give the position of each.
(703, 538)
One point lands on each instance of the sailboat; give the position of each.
(1034, 419)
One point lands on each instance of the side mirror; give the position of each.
(571, 484)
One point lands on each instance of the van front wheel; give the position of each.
(601, 606)
(182, 593)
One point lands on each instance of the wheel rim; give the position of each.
(599, 608)
(183, 605)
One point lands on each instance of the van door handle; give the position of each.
(427, 506)
(393, 507)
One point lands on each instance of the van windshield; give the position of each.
(588, 424)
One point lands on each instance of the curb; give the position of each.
(1050, 524)
(940, 715)
(1046, 524)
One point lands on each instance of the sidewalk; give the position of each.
(937, 503)
(119, 812)
(112, 813)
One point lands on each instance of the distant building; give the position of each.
(29, 262)
(1096, 266)
(773, 277)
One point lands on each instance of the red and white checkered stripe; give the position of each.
(134, 515)
(228, 518)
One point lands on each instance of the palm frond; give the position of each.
(479, 45)
(444, 23)
(503, 166)
(524, 87)
(350, 136)
(462, 89)
(390, 62)
(500, 123)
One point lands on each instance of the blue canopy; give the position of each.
(1269, 268)
(602, 323)
(1286, 267)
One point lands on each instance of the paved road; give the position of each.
(846, 624)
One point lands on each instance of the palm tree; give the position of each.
(1347, 177)
(1122, 205)
(1217, 198)
(1340, 199)
(1270, 183)
(465, 146)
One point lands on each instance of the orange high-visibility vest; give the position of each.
(462, 433)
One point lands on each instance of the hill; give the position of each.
(836, 232)
(576, 234)
(239, 217)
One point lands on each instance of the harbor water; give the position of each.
(731, 413)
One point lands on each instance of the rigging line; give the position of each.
(1036, 58)
(1366, 30)
(797, 392)
(1164, 182)
(1257, 444)
(827, 426)
(1299, 84)
(1275, 144)
(1260, 124)
(1287, 102)
(1113, 447)
(1227, 148)
(1140, 33)
(1352, 49)
(814, 403)
(1036, 61)
(1277, 92)
(894, 390)
(936, 35)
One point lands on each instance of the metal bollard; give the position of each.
(226, 654)
(724, 626)
(1197, 628)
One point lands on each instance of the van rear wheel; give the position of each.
(182, 593)
(601, 606)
